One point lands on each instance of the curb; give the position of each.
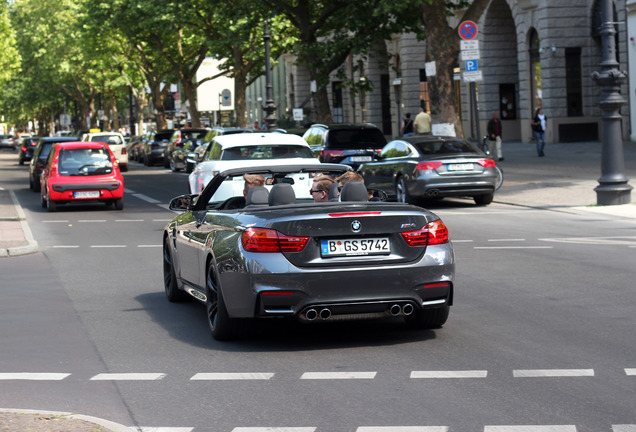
(107, 424)
(32, 245)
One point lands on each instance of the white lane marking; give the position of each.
(31, 376)
(463, 241)
(160, 429)
(231, 376)
(92, 220)
(146, 198)
(130, 191)
(505, 240)
(534, 373)
(629, 371)
(162, 220)
(56, 221)
(128, 377)
(150, 246)
(403, 429)
(338, 375)
(274, 429)
(518, 428)
(129, 220)
(513, 247)
(65, 247)
(596, 241)
(450, 374)
(624, 428)
(108, 246)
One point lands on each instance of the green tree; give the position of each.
(10, 58)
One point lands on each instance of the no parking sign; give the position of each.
(467, 30)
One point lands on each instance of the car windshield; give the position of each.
(160, 136)
(266, 152)
(115, 139)
(356, 139)
(84, 162)
(444, 147)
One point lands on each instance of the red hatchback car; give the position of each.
(81, 172)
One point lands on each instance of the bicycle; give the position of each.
(483, 145)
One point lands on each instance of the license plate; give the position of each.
(360, 158)
(460, 167)
(86, 194)
(346, 247)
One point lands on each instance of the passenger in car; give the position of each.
(320, 188)
(252, 180)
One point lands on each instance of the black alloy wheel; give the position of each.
(174, 294)
(222, 327)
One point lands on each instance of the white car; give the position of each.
(255, 149)
(115, 141)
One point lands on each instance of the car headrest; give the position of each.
(281, 194)
(257, 196)
(354, 191)
(333, 191)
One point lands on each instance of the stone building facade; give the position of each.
(533, 53)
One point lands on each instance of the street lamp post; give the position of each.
(613, 188)
(270, 106)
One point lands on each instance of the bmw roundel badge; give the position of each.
(356, 225)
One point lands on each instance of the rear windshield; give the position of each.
(104, 138)
(449, 147)
(84, 162)
(356, 139)
(160, 136)
(267, 152)
(46, 149)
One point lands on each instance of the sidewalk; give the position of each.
(15, 234)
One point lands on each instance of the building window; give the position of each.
(425, 100)
(507, 101)
(336, 91)
(573, 81)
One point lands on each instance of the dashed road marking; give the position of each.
(160, 429)
(55, 221)
(402, 429)
(31, 376)
(231, 376)
(146, 198)
(274, 429)
(129, 220)
(128, 377)
(519, 428)
(630, 371)
(338, 375)
(506, 240)
(150, 246)
(65, 246)
(535, 373)
(108, 246)
(624, 428)
(513, 247)
(450, 374)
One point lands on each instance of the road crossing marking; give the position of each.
(31, 376)
(624, 428)
(540, 428)
(274, 429)
(160, 429)
(402, 429)
(450, 374)
(231, 376)
(338, 375)
(630, 371)
(535, 373)
(128, 377)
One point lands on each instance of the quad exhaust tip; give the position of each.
(311, 314)
(325, 314)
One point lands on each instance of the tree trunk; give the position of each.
(159, 98)
(191, 96)
(240, 82)
(113, 105)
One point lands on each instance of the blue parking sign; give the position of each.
(471, 66)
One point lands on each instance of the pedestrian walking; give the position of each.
(422, 124)
(538, 128)
(407, 125)
(494, 136)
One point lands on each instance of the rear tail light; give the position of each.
(487, 163)
(269, 240)
(23, 148)
(432, 234)
(333, 153)
(123, 150)
(425, 166)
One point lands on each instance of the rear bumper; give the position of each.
(107, 191)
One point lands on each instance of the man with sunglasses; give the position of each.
(320, 188)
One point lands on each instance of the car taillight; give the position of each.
(424, 166)
(487, 163)
(23, 148)
(432, 234)
(269, 240)
(123, 150)
(333, 153)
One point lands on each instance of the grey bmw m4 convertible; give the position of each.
(270, 251)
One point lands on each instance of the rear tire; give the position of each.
(119, 204)
(481, 200)
(428, 318)
(173, 293)
(222, 327)
(51, 205)
(402, 192)
(123, 168)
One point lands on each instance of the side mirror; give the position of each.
(183, 202)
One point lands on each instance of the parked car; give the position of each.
(257, 149)
(80, 172)
(116, 142)
(182, 142)
(26, 149)
(350, 144)
(196, 155)
(152, 147)
(40, 155)
(284, 256)
(420, 167)
(7, 141)
(132, 147)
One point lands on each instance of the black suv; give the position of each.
(349, 144)
(40, 154)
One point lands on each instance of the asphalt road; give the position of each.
(541, 337)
